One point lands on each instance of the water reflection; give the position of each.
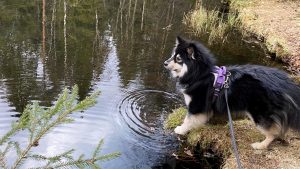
(114, 46)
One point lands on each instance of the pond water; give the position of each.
(115, 46)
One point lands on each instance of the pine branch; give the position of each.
(58, 105)
(2, 160)
(3, 163)
(85, 163)
(7, 148)
(39, 121)
(72, 98)
(73, 164)
(79, 163)
(11, 132)
(62, 155)
(81, 157)
(96, 167)
(54, 159)
(107, 157)
(16, 145)
(67, 100)
(35, 111)
(15, 127)
(88, 102)
(98, 148)
(37, 157)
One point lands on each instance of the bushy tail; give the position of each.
(293, 98)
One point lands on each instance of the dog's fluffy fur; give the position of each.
(270, 98)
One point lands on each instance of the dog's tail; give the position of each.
(292, 100)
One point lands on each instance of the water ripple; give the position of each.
(142, 113)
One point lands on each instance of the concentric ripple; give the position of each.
(142, 114)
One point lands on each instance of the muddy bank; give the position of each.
(215, 138)
(275, 24)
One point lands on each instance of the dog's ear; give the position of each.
(179, 40)
(191, 51)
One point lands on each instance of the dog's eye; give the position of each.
(178, 58)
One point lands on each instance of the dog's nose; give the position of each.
(166, 63)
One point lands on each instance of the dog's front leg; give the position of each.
(191, 121)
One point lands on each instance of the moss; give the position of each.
(296, 78)
(175, 118)
(215, 136)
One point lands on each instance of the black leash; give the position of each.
(233, 140)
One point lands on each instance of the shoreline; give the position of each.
(215, 137)
(274, 24)
(277, 23)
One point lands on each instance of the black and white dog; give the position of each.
(268, 96)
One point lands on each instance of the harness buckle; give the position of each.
(221, 79)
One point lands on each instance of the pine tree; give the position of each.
(39, 121)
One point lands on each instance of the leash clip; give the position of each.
(226, 84)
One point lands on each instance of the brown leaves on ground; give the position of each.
(278, 21)
(281, 154)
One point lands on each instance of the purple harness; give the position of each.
(221, 79)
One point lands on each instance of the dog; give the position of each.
(268, 96)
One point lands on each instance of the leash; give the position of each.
(221, 81)
(233, 140)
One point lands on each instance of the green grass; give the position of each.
(214, 24)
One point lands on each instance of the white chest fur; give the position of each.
(187, 98)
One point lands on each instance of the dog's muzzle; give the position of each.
(166, 63)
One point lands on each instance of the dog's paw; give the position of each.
(180, 130)
(259, 146)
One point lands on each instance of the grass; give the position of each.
(274, 44)
(277, 46)
(216, 137)
(266, 20)
(253, 19)
(213, 23)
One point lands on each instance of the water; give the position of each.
(113, 46)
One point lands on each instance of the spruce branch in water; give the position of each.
(38, 121)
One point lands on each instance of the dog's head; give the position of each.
(189, 58)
